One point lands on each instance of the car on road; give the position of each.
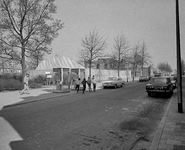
(159, 85)
(144, 78)
(157, 75)
(113, 82)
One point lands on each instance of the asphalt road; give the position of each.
(108, 119)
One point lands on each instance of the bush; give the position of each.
(40, 79)
(35, 85)
(10, 76)
(10, 84)
(14, 82)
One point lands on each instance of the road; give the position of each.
(108, 119)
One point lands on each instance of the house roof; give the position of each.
(59, 62)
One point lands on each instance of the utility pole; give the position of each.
(179, 69)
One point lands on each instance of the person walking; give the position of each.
(94, 84)
(26, 87)
(89, 84)
(84, 85)
(78, 85)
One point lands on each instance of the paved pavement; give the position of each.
(170, 134)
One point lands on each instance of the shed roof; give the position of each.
(59, 62)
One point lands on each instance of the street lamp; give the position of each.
(179, 71)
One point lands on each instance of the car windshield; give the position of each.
(158, 80)
(112, 78)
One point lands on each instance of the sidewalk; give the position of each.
(170, 134)
(13, 98)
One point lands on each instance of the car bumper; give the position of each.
(143, 80)
(158, 91)
(107, 85)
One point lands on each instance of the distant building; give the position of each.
(106, 63)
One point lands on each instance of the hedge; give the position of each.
(14, 82)
(10, 84)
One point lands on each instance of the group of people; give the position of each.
(89, 81)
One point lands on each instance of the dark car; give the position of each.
(144, 78)
(159, 85)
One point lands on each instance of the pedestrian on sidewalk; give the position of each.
(89, 84)
(84, 85)
(78, 85)
(26, 87)
(94, 83)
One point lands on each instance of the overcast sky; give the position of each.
(151, 21)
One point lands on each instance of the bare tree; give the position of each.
(144, 56)
(35, 59)
(164, 67)
(28, 27)
(120, 50)
(135, 58)
(93, 46)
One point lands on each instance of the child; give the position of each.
(94, 84)
(77, 85)
(89, 84)
(84, 85)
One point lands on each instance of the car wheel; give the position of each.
(149, 94)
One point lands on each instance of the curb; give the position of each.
(157, 137)
(36, 100)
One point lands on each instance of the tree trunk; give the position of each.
(90, 64)
(142, 69)
(23, 64)
(133, 72)
(3, 67)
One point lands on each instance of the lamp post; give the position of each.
(179, 71)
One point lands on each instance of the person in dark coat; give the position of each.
(84, 85)
(89, 84)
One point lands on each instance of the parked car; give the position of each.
(157, 75)
(144, 78)
(159, 85)
(113, 82)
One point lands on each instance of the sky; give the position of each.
(151, 21)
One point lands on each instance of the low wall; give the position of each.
(102, 74)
